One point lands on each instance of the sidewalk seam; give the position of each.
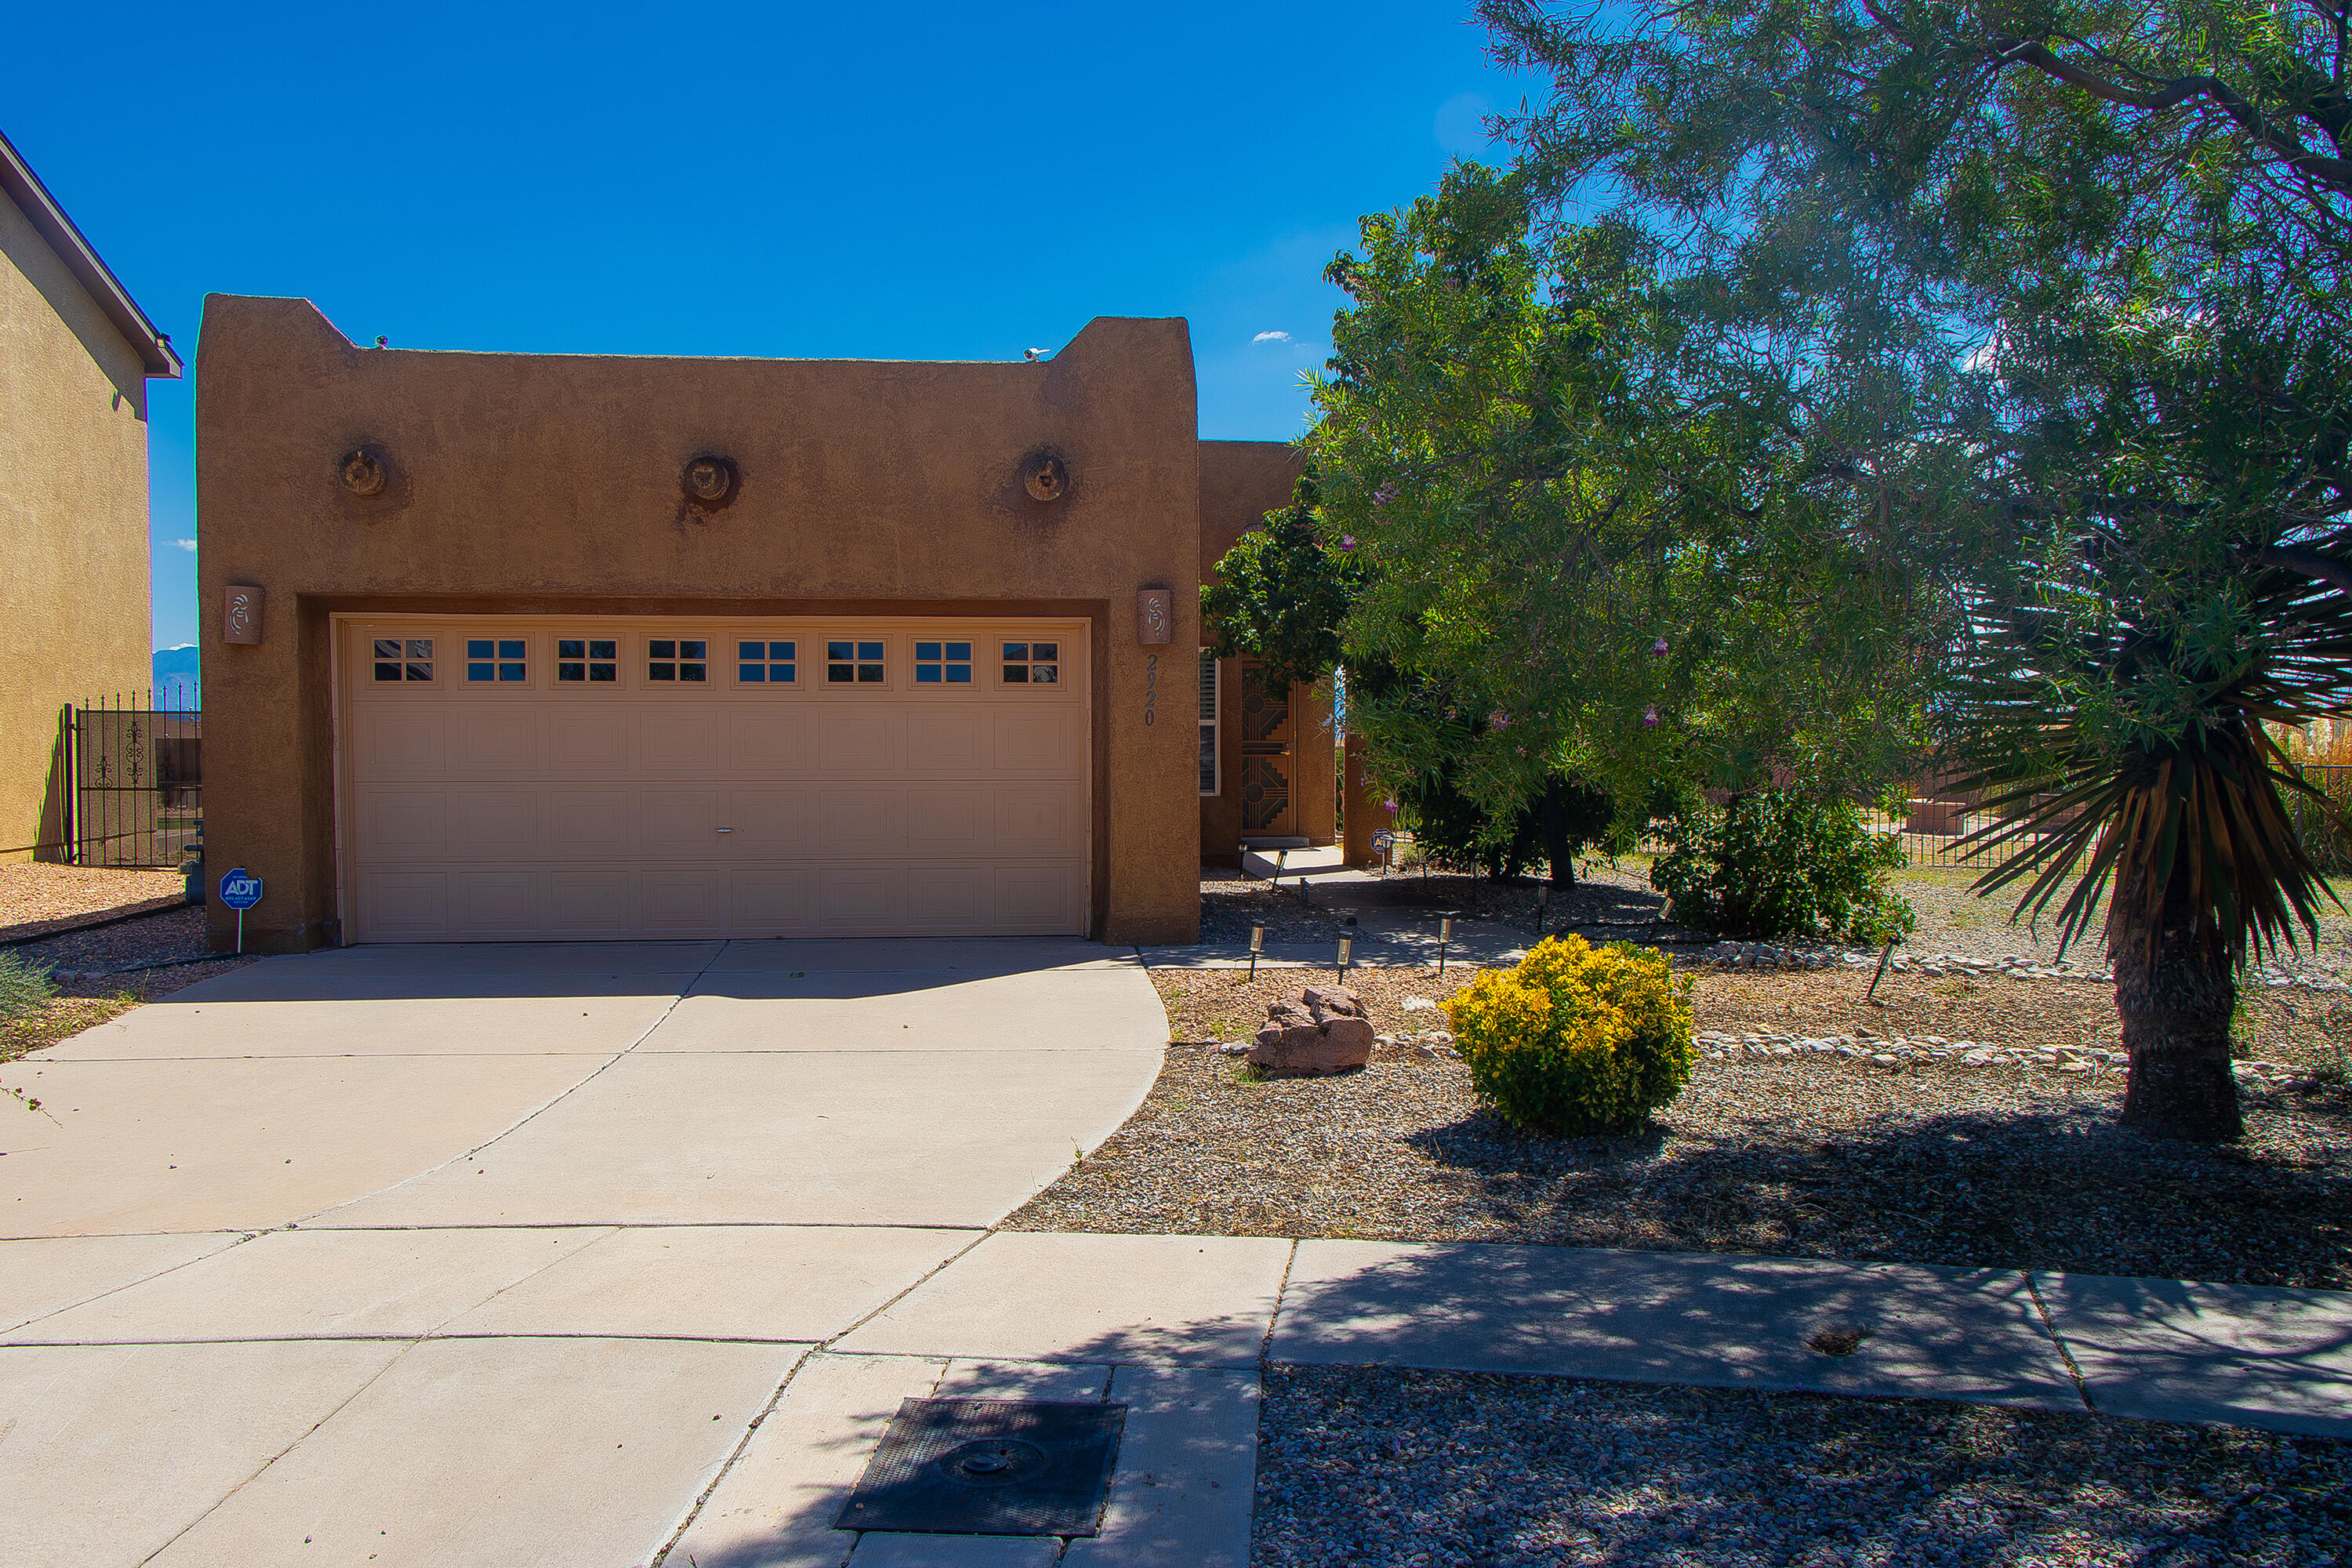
(2065, 1351)
(1274, 1319)
(300, 1439)
(538, 1111)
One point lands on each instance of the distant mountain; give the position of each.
(175, 677)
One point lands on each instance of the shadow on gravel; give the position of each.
(2057, 1185)
(1376, 1469)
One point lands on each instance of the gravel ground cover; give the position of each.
(1388, 1468)
(36, 897)
(1805, 1155)
(100, 973)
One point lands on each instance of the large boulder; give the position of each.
(1321, 1029)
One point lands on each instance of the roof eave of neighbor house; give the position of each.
(25, 188)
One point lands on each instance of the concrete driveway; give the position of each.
(496, 1254)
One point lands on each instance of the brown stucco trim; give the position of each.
(41, 210)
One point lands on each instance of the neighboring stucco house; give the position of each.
(517, 646)
(76, 353)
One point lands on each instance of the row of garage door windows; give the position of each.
(676, 661)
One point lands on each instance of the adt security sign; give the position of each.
(240, 891)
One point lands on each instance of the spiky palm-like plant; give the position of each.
(2122, 743)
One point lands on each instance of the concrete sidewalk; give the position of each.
(2153, 1349)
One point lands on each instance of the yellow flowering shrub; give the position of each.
(1577, 1039)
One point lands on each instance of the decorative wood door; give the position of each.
(1266, 758)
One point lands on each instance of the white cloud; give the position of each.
(176, 647)
(187, 545)
(1272, 338)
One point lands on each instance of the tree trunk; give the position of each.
(1553, 814)
(2176, 998)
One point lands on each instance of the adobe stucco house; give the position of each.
(520, 647)
(76, 353)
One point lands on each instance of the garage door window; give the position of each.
(404, 658)
(943, 664)
(596, 659)
(767, 663)
(495, 660)
(676, 659)
(1033, 663)
(853, 663)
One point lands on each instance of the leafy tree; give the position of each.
(1281, 592)
(1530, 445)
(2063, 286)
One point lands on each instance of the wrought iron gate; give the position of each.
(135, 782)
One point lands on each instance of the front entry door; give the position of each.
(1266, 758)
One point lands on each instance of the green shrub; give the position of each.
(22, 987)
(1780, 864)
(1575, 1038)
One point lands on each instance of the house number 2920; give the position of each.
(1150, 688)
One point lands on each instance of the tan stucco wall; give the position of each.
(73, 520)
(548, 483)
(1241, 481)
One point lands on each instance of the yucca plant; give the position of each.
(2124, 746)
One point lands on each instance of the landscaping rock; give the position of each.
(1321, 1029)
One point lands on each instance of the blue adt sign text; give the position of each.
(240, 891)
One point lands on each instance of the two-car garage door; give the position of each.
(565, 779)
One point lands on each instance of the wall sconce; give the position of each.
(1155, 616)
(241, 615)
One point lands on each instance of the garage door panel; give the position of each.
(401, 740)
(678, 744)
(589, 903)
(680, 824)
(768, 822)
(1043, 741)
(853, 741)
(950, 898)
(413, 904)
(1037, 899)
(592, 809)
(489, 906)
(859, 898)
(861, 821)
(945, 819)
(396, 824)
(781, 902)
(1033, 819)
(495, 824)
(945, 743)
(767, 744)
(577, 824)
(680, 901)
(492, 742)
(588, 741)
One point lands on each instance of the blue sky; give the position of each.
(930, 183)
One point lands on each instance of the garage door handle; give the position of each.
(725, 830)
